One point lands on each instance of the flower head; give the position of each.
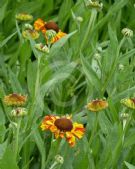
(28, 33)
(63, 127)
(129, 102)
(42, 48)
(127, 32)
(97, 105)
(52, 36)
(15, 99)
(51, 25)
(39, 25)
(24, 17)
(18, 112)
(94, 4)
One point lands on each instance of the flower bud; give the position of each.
(18, 112)
(33, 34)
(24, 17)
(28, 26)
(127, 32)
(79, 19)
(94, 4)
(59, 159)
(42, 48)
(121, 67)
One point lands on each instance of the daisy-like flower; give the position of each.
(97, 105)
(15, 99)
(28, 33)
(63, 127)
(24, 17)
(129, 102)
(49, 29)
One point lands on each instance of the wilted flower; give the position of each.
(127, 32)
(63, 127)
(97, 105)
(94, 4)
(28, 33)
(24, 17)
(42, 48)
(129, 102)
(18, 112)
(15, 99)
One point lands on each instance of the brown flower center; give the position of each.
(64, 124)
(52, 25)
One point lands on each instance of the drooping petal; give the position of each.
(97, 105)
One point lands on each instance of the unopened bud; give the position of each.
(24, 17)
(127, 32)
(59, 159)
(18, 112)
(42, 48)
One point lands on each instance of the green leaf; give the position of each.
(91, 76)
(57, 45)
(130, 166)
(7, 39)
(8, 160)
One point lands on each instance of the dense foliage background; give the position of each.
(94, 61)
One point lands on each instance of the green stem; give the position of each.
(53, 165)
(17, 137)
(91, 21)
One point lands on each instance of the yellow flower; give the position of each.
(28, 33)
(39, 25)
(15, 99)
(129, 102)
(97, 105)
(63, 127)
(24, 17)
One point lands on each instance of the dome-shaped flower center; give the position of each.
(64, 124)
(52, 25)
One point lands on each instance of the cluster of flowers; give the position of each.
(62, 127)
(49, 30)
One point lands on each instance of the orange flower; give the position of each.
(58, 36)
(15, 99)
(97, 105)
(39, 25)
(63, 127)
(129, 102)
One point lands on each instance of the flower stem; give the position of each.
(53, 165)
(17, 137)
